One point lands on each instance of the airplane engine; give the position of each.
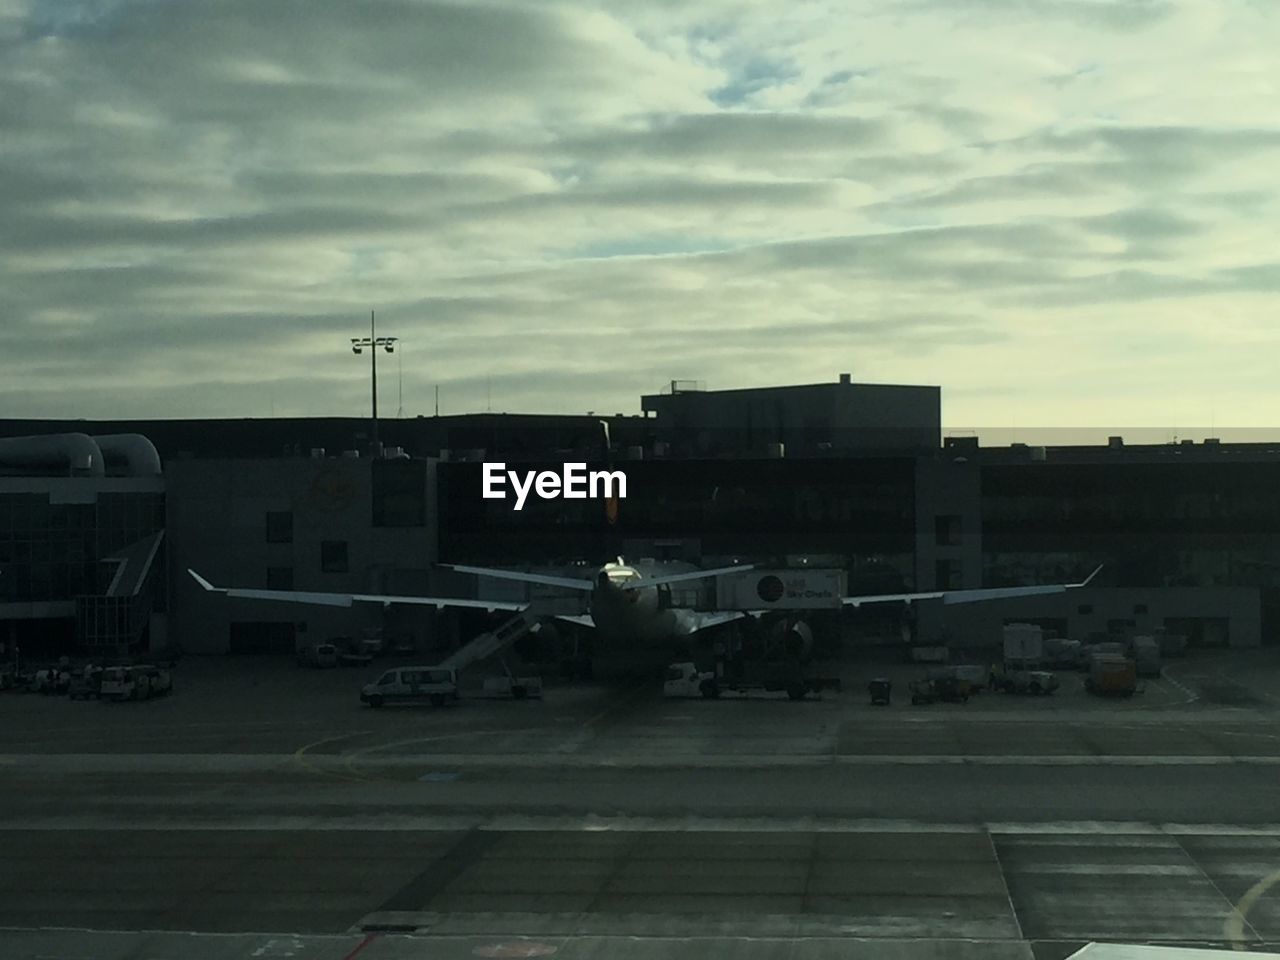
(794, 638)
(798, 639)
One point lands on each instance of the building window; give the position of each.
(947, 530)
(1139, 608)
(333, 556)
(280, 526)
(1084, 609)
(279, 578)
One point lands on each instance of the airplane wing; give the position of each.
(970, 596)
(581, 619)
(569, 583)
(347, 599)
(681, 577)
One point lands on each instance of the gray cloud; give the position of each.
(1122, 15)
(572, 204)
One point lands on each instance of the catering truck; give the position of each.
(1023, 646)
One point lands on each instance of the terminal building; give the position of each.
(849, 476)
(82, 546)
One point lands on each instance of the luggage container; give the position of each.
(1145, 652)
(1111, 675)
(881, 690)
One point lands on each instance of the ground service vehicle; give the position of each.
(1023, 645)
(947, 689)
(1063, 654)
(517, 688)
(50, 680)
(318, 655)
(973, 675)
(686, 680)
(86, 684)
(1146, 656)
(1034, 682)
(881, 691)
(1111, 675)
(135, 683)
(434, 685)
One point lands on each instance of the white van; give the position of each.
(435, 685)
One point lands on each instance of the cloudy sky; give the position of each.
(1064, 212)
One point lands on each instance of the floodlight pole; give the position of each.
(373, 378)
(373, 341)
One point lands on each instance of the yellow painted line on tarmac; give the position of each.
(300, 756)
(1233, 928)
(349, 759)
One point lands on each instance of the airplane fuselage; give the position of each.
(637, 615)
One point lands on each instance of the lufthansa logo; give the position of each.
(332, 490)
(769, 589)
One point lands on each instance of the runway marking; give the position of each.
(350, 758)
(1191, 695)
(516, 823)
(78, 764)
(1004, 882)
(361, 946)
(1235, 919)
(515, 949)
(1233, 928)
(299, 755)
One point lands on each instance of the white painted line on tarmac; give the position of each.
(1187, 692)
(591, 824)
(364, 761)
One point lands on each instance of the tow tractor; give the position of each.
(948, 689)
(686, 680)
(1034, 682)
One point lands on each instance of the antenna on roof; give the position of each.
(400, 377)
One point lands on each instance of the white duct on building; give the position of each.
(73, 454)
(137, 452)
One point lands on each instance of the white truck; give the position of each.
(685, 680)
(1023, 646)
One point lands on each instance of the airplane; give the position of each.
(628, 606)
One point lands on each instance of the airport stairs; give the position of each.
(494, 641)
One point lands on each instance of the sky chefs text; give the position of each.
(574, 483)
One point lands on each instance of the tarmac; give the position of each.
(263, 813)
